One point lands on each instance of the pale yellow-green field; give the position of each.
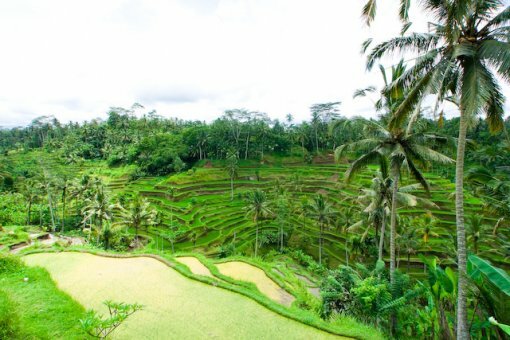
(175, 307)
(194, 265)
(246, 272)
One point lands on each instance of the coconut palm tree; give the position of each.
(401, 149)
(31, 193)
(137, 215)
(408, 243)
(458, 58)
(232, 168)
(477, 229)
(98, 208)
(377, 200)
(257, 207)
(346, 219)
(322, 211)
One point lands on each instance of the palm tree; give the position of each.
(408, 243)
(404, 148)
(322, 211)
(232, 167)
(426, 226)
(378, 199)
(138, 215)
(98, 208)
(63, 184)
(346, 218)
(31, 193)
(476, 230)
(257, 207)
(458, 58)
(283, 212)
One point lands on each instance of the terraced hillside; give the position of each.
(198, 204)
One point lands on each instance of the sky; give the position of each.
(191, 59)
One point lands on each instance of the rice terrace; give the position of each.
(366, 197)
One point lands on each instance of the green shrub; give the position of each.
(10, 264)
(9, 320)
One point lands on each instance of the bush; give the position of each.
(9, 264)
(9, 321)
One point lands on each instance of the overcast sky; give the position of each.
(190, 59)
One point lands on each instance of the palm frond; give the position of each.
(365, 45)
(362, 162)
(404, 10)
(418, 175)
(497, 54)
(416, 42)
(428, 154)
(369, 11)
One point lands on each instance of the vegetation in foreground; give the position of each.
(32, 307)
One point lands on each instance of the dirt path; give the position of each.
(246, 272)
(47, 240)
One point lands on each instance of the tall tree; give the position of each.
(323, 213)
(466, 46)
(232, 168)
(257, 207)
(401, 147)
(31, 193)
(138, 214)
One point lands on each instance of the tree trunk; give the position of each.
(381, 238)
(320, 244)
(281, 239)
(63, 209)
(393, 226)
(247, 145)
(462, 331)
(316, 141)
(51, 213)
(28, 214)
(256, 237)
(408, 259)
(231, 188)
(346, 251)
(393, 234)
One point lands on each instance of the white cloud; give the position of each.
(186, 58)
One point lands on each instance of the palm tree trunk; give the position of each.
(393, 226)
(316, 141)
(320, 244)
(393, 234)
(346, 251)
(247, 144)
(231, 188)
(256, 237)
(381, 237)
(51, 213)
(63, 209)
(462, 331)
(28, 214)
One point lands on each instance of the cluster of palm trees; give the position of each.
(456, 61)
(92, 207)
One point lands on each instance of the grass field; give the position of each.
(175, 307)
(32, 307)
